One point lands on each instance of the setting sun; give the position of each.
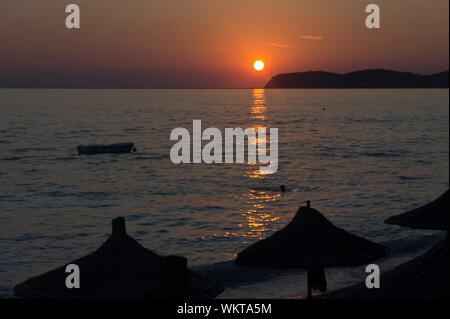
(258, 65)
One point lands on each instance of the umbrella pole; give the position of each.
(309, 286)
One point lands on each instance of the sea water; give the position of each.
(360, 156)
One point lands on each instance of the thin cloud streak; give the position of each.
(311, 37)
(279, 45)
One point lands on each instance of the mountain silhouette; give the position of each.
(378, 78)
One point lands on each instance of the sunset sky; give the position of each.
(209, 43)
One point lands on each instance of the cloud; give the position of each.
(279, 45)
(311, 37)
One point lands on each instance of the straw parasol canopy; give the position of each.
(432, 216)
(311, 242)
(424, 277)
(122, 268)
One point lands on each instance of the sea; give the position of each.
(359, 156)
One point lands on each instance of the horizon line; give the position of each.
(217, 88)
(81, 87)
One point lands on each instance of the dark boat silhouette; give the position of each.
(109, 148)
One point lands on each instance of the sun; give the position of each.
(258, 65)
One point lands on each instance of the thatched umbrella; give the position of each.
(424, 277)
(432, 216)
(311, 242)
(122, 268)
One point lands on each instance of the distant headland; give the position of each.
(375, 78)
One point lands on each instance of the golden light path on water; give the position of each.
(259, 218)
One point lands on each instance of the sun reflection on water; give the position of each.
(258, 105)
(259, 219)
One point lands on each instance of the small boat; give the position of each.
(110, 148)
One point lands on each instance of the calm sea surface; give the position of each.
(358, 155)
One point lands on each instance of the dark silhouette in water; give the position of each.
(109, 148)
(432, 216)
(378, 78)
(424, 277)
(122, 268)
(282, 188)
(311, 242)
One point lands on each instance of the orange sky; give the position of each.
(211, 43)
